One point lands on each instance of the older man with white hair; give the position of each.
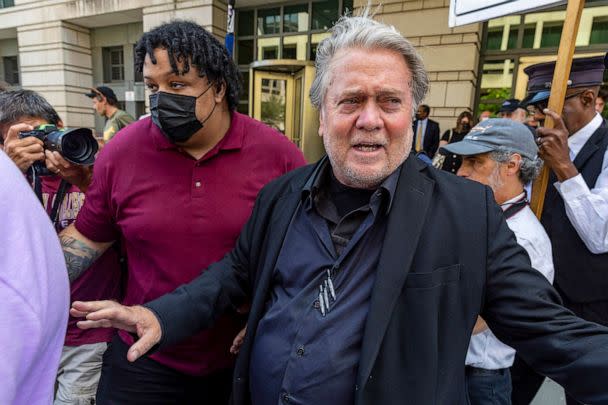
(358, 295)
(501, 154)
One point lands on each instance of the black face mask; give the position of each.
(466, 127)
(175, 115)
(418, 116)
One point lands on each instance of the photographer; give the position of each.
(62, 196)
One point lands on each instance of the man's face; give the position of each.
(366, 117)
(421, 113)
(484, 115)
(599, 104)
(482, 169)
(160, 77)
(33, 121)
(99, 106)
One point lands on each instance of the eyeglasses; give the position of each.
(541, 105)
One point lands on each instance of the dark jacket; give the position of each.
(581, 275)
(431, 137)
(447, 256)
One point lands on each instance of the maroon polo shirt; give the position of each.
(178, 215)
(100, 282)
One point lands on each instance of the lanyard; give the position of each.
(515, 207)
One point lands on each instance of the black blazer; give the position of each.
(448, 256)
(431, 137)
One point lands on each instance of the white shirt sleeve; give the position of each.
(587, 209)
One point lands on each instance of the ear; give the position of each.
(60, 124)
(588, 97)
(220, 91)
(321, 121)
(512, 166)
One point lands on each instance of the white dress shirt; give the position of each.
(587, 209)
(485, 350)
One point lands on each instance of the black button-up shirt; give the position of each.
(301, 356)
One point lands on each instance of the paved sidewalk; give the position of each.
(550, 394)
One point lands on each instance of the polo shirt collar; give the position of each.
(233, 139)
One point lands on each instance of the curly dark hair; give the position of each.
(188, 42)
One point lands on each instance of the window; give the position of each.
(11, 69)
(245, 23)
(295, 18)
(494, 38)
(245, 52)
(552, 32)
(113, 64)
(139, 76)
(512, 42)
(599, 31)
(324, 14)
(529, 32)
(269, 21)
(7, 3)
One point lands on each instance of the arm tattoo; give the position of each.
(78, 256)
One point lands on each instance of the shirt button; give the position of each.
(197, 184)
(316, 304)
(300, 351)
(285, 398)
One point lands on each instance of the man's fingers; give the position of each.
(142, 346)
(90, 306)
(558, 122)
(64, 163)
(13, 132)
(94, 324)
(77, 314)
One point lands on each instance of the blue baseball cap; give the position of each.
(494, 134)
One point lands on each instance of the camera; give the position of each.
(76, 145)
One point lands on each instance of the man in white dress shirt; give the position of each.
(501, 154)
(575, 213)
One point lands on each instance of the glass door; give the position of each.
(273, 101)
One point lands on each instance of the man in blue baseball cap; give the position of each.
(500, 153)
(575, 213)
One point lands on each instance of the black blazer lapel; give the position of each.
(406, 220)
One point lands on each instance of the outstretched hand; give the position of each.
(110, 314)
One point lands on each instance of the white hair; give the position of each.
(363, 32)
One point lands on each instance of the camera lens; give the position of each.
(77, 145)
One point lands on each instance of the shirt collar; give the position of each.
(233, 139)
(577, 140)
(513, 200)
(318, 176)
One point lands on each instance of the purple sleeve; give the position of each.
(34, 290)
(96, 220)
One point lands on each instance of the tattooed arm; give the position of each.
(79, 251)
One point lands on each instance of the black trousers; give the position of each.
(147, 382)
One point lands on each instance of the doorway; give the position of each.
(279, 98)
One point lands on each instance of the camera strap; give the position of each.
(61, 192)
(59, 196)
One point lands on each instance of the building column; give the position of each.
(211, 14)
(55, 61)
(450, 55)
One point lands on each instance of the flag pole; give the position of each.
(229, 41)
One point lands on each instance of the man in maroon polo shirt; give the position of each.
(177, 188)
(62, 196)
